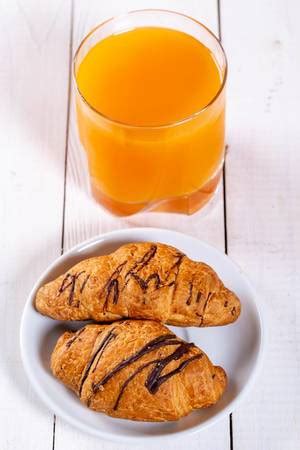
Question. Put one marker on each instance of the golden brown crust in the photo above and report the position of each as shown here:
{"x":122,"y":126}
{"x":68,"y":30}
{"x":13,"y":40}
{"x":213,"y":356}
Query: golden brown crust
{"x":138,"y":370}
{"x":142,"y":280}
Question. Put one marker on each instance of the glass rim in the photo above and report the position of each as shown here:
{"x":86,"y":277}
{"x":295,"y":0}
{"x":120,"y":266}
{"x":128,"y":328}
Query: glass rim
{"x":163,"y":125}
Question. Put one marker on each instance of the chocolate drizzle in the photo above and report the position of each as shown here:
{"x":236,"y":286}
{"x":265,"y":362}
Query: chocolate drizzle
{"x":190,"y":296}
{"x":112,"y":285}
{"x":179,"y":257}
{"x":201,"y":319}
{"x":144,"y":261}
{"x":84,"y":283}
{"x":160,"y":341}
{"x":74,"y":338}
{"x":154,"y":379}
{"x":144,"y":284}
{"x":132,"y":376}
{"x":97,"y":354}
{"x":163,"y":378}
{"x":111,"y":336}
{"x":175,"y":266}
{"x":206,"y":302}
{"x":70,"y":282}
{"x":198,"y":298}
{"x":138,"y":266}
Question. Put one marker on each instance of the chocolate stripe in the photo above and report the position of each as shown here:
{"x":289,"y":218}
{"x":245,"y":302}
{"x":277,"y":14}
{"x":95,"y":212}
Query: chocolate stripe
{"x":112,"y":284}
{"x":153,"y":380}
{"x":132,"y":376}
{"x":189,"y":299}
{"x":162,"y":379}
{"x":73,"y":339}
{"x":84,"y":283}
{"x":70,"y":285}
{"x":144,"y":284}
{"x":198,"y":297}
{"x":176,"y":265}
{"x":141,"y":263}
{"x":159,"y":380}
{"x":99,"y":352}
{"x":63,"y":286}
{"x":160,"y":341}
{"x":206,"y":302}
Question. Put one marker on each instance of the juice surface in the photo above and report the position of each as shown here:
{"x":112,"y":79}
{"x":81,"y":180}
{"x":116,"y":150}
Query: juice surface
{"x":148,"y":76}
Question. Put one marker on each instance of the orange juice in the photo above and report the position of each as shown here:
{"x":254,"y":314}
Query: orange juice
{"x":142,"y":106}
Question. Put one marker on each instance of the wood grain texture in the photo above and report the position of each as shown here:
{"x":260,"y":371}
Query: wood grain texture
{"x":84,"y":218}
{"x":34,"y":39}
{"x":263,"y":208}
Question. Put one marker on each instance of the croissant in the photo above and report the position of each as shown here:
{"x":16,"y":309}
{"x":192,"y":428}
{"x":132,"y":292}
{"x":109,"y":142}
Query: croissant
{"x":142,"y":280}
{"x":136,"y":369}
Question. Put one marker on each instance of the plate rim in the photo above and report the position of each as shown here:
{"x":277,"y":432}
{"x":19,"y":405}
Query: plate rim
{"x":57,"y":410}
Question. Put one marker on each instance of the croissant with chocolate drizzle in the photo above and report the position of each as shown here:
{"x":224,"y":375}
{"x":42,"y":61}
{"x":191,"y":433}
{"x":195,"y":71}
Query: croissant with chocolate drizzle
{"x":136,"y":369}
{"x":140,"y":280}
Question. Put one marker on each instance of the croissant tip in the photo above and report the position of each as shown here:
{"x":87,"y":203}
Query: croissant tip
{"x":235,"y":310}
{"x":220,"y":381}
{"x":232,"y":305}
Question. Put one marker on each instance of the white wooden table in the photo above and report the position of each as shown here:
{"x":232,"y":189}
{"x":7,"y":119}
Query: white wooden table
{"x":45,"y":207}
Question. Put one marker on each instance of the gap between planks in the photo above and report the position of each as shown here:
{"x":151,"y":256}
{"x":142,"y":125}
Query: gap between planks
{"x":219,"y":13}
{"x":66,"y":158}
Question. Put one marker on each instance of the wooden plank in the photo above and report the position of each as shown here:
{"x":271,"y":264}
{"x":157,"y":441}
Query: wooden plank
{"x":263,"y":215}
{"x":84,"y":218}
{"x":34,"y":39}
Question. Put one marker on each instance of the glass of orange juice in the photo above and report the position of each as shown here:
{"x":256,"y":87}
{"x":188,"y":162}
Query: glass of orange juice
{"x":150,"y":101}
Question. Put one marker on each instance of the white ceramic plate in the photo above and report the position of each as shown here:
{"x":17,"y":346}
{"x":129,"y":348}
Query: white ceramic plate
{"x":236,"y":347}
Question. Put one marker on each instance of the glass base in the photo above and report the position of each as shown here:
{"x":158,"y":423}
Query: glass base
{"x":186,"y":204}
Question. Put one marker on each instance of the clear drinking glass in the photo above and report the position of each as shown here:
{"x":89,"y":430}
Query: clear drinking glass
{"x":167,"y":167}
